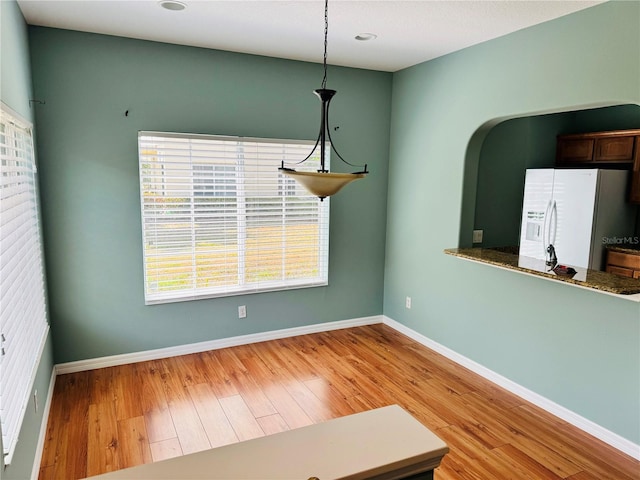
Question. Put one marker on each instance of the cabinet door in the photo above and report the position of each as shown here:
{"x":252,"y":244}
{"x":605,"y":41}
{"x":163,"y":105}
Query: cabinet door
{"x":614,"y":149}
{"x":575,"y":150}
{"x":621,"y":272}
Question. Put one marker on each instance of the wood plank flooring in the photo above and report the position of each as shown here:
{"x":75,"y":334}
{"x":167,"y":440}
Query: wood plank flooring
{"x":117,"y":417}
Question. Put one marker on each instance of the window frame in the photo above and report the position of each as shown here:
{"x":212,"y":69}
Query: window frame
{"x":221,"y":189}
{"x":24,"y":312}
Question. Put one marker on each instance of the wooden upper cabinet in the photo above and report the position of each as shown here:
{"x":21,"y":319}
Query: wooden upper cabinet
{"x":618,"y":146}
{"x":613,"y":149}
{"x":579,"y":150}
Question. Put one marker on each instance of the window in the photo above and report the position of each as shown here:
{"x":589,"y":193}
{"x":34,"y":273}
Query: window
{"x":219,"y":219}
{"x":23,"y":318}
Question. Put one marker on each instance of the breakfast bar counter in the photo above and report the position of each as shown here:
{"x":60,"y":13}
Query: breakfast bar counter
{"x":509,"y":259}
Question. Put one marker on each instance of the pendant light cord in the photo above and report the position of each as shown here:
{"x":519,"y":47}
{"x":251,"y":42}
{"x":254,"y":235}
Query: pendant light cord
{"x":325,"y":125}
{"x":326,"y":34}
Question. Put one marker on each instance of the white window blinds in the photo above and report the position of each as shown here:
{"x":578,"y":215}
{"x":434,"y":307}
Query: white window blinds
{"x":23,"y":323}
{"x":219,"y":219}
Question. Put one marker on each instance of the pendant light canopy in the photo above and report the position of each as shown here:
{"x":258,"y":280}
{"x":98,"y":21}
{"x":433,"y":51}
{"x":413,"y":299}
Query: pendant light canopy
{"x":324,"y":183}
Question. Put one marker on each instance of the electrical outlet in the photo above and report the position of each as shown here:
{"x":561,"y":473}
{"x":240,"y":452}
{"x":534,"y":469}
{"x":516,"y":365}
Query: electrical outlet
{"x":242,"y":311}
{"x":477,"y":236}
{"x":35,"y":400}
{"x":407,"y":302}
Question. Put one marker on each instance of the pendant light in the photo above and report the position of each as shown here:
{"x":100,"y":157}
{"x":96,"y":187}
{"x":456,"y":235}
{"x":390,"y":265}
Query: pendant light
{"x":324,"y":183}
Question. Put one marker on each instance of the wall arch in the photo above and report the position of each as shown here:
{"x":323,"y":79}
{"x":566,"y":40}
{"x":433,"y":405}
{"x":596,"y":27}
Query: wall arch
{"x":535,"y":135}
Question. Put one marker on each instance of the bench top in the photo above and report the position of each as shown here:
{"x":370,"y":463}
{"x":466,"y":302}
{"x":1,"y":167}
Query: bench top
{"x":384,"y":443}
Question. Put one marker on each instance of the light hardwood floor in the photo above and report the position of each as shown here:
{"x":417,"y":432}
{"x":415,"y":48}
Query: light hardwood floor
{"x":117,"y":417}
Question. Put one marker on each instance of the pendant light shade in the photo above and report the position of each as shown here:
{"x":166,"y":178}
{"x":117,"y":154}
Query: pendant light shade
{"x":324,"y":183}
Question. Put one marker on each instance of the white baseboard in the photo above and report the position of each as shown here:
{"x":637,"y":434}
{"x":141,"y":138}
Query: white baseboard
{"x":607,"y":436}
{"x":156,"y":354}
{"x":43,"y":427}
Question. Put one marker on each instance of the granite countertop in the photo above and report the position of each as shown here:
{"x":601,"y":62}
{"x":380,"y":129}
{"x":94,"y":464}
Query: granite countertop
{"x":504,"y":257}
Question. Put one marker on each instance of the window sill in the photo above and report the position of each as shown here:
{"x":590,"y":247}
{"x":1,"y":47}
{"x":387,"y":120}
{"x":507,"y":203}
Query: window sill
{"x":187,"y":297}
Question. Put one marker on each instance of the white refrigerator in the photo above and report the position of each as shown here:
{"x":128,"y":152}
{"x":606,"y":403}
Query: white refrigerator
{"x":577,"y":211}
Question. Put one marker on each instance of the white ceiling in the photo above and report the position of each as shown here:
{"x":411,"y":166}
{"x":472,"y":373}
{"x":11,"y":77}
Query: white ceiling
{"x":409,"y":32}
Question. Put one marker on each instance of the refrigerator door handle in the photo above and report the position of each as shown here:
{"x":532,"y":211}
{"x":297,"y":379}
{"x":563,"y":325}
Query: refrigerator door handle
{"x":554,"y":217}
{"x":545,"y":243}
{"x":552,"y":259}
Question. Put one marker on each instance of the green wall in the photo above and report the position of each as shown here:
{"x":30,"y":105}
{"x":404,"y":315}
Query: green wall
{"x":512,"y":146}
{"x":90,"y":190}
{"x":15,"y":92}
{"x":15,"y":74}
{"x":576,"y":347}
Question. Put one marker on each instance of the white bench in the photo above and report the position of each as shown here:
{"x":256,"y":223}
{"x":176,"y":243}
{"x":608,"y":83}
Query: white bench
{"x":386,"y":443}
